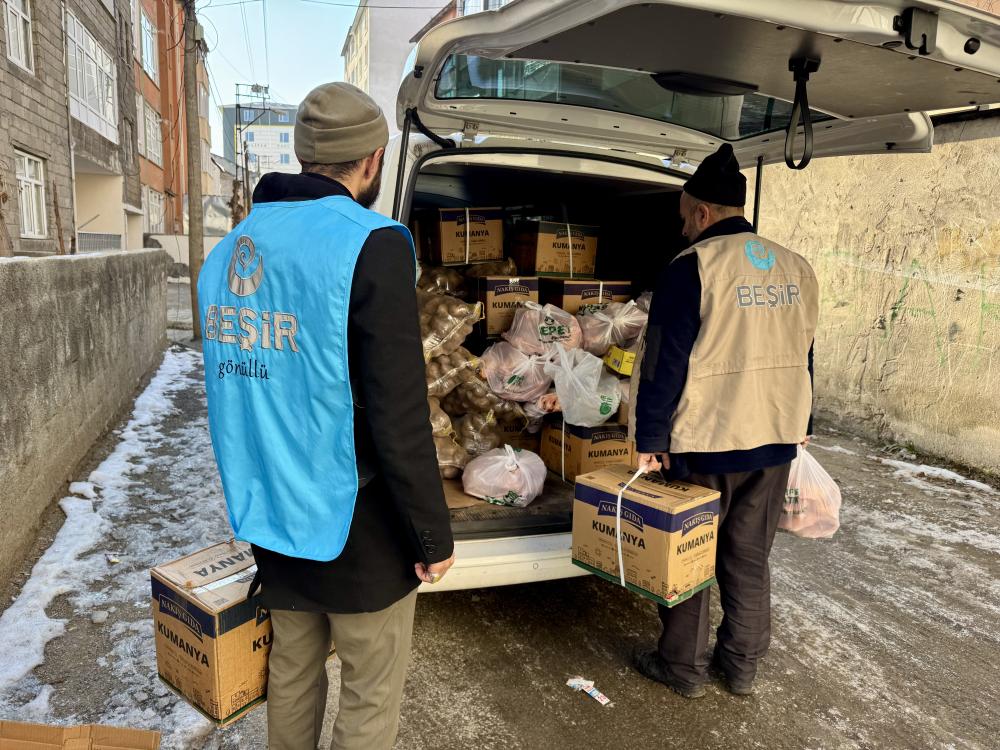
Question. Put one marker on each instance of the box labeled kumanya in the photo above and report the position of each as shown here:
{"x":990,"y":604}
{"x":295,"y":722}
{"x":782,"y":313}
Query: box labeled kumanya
{"x":620,"y":360}
{"x":461,"y":236}
{"x":668,"y":533}
{"x":212,"y":643}
{"x":18,"y":735}
{"x":501,"y":296}
{"x":588,"y":295}
{"x":553,"y":248}
{"x":584,"y":449}
{"x":514,"y":435}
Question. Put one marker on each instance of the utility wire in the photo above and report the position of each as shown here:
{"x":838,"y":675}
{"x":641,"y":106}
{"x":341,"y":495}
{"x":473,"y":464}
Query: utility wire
{"x":246,"y":41}
{"x":267,"y":54}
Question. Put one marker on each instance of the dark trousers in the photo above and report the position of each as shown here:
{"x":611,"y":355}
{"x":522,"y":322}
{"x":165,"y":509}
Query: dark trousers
{"x":750,"y":505}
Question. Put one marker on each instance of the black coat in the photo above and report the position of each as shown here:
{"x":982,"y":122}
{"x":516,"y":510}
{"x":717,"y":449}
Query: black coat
{"x":400,"y":517}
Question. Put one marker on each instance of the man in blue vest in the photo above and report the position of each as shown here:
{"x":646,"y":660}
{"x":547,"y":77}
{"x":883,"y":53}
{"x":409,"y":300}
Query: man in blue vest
{"x":318,"y":412}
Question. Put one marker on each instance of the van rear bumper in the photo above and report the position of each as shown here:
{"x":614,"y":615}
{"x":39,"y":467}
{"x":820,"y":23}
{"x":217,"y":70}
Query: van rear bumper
{"x":481,"y":563}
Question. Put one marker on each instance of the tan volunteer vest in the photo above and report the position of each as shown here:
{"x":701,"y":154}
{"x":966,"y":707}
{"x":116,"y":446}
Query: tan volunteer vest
{"x":748,"y":378}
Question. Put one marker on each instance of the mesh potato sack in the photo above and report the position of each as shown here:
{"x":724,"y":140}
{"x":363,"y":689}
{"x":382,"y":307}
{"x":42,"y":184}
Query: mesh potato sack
{"x":513,"y":375}
{"x":536,"y":328}
{"x":445,"y":322}
{"x":505,"y":476}
{"x":440,"y":422}
{"x":505,"y":267}
{"x":451,"y":457}
{"x":618,"y":324}
{"x":444,"y":373}
{"x":587,"y":392}
{"x":477,"y":433}
{"x":473,"y":395}
{"x":442,"y":281}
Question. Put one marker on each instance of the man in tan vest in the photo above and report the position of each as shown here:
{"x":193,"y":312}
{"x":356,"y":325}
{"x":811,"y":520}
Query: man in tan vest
{"x":725,"y":398}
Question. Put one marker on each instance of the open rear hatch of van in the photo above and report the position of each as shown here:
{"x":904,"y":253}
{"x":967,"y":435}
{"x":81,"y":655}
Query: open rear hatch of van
{"x":659,"y":76}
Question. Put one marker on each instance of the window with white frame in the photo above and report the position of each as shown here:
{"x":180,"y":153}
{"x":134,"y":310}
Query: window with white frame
{"x":18,"y":22}
{"x":140,"y":118}
{"x":154,"y":135}
{"x":282,"y":117}
{"x":153,"y":206}
{"x":283,"y":137}
{"x":285,"y":159}
{"x":249,"y":136}
{"x":30,"y":172}
{"x":92,"y":81}
{"x":149,"y":60}
{"x":202,"y":100}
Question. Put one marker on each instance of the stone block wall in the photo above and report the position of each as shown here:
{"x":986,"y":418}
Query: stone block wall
{"x":79,"y":334}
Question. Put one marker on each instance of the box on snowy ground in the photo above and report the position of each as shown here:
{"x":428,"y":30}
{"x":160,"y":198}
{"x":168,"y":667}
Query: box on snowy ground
{"x":212,"y":642}
{"x":18,"y":735}
{"x":669,"y":532}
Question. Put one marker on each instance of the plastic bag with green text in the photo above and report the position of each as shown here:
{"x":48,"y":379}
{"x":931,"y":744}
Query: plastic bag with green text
{"x":588,"y":393}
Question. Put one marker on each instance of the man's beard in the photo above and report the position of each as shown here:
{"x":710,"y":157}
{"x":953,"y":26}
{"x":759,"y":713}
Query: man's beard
{"x":369,"y":193}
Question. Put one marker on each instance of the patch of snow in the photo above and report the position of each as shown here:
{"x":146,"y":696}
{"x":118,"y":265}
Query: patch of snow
{"x":906,"y":470}
{"x":25,"y":625}
{"x":83,"y":489}
{"x":832,"y":448}
{"x":38,"y":709}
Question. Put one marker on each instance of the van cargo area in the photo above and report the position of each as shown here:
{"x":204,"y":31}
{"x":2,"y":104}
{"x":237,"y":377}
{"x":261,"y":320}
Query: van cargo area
{"x":634,"y":210}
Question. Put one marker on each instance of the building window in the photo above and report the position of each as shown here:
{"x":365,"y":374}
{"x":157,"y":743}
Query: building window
{"x":92,"y":81}
{"x":202,"y":100}
{"x":31,"y":187}
{"x":140,"y":117}
{"x":248,"y":115}
{"x":285,"y":159}
{"x":282,"y":117}
{"x":249,"y":136}
{"x":149,"y":59}
{"x":154,"y":135}
{"x":18,"y":23}
{"x":152,"y":211}
{"x":283,"y":137}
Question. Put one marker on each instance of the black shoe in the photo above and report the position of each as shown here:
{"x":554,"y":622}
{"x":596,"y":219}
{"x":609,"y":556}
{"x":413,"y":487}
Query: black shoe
{"x":651,"y":665}
{"x":733,"y":685}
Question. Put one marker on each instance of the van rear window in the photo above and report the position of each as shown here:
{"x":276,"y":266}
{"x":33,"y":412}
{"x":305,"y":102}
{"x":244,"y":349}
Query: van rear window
{"x":613,"y":90}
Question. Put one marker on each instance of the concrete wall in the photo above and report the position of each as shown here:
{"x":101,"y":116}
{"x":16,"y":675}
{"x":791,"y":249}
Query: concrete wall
{"x":907,"y":248}
{"x":79,"y":333}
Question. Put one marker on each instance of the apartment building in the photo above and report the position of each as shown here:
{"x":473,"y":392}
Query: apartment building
{"x":268,"y":135}
{"x":67,"y":130}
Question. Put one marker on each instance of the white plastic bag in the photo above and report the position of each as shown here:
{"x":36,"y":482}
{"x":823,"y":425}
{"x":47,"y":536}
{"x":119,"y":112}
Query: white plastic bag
{"x":588,"y":393}
{"x":644,"y":301}
{"x":536,"y":328}
{"x":812,"y":500}
{"x":618,"y":324}
{"x":505,"y":476}
{"x":514,"y":375}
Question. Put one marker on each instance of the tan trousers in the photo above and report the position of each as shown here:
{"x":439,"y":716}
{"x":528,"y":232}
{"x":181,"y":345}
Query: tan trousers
{"x":374,"y":650}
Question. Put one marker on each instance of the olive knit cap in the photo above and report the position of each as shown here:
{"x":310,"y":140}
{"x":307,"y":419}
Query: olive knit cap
{"x":338,"y":122}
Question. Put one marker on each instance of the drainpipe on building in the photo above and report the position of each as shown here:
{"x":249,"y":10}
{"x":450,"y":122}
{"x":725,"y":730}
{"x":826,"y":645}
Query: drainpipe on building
{"x":69,"y":133}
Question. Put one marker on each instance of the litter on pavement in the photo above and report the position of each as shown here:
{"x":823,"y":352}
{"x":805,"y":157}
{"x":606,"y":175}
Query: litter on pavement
{"x":587,"y":686}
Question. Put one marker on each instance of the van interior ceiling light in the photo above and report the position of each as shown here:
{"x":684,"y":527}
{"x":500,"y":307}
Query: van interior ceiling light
{"x":801,"y":68}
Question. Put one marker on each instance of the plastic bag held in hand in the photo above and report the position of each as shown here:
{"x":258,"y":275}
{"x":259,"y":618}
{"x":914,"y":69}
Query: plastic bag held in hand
{"x":812,"y":500}
{"x":617,"y":324}
{"x":505,"y":476}
{"x":514,"y":375}
{"x":536,"y":328}
{"x":587,"y":392}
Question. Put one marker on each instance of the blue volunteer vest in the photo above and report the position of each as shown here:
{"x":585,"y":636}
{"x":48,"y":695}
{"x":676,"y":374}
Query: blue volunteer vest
{"x":274,"y":296}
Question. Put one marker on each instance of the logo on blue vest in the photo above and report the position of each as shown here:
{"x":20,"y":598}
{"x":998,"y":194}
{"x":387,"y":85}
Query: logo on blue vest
{"x":246,"y":268}
{"x":761,"y":257}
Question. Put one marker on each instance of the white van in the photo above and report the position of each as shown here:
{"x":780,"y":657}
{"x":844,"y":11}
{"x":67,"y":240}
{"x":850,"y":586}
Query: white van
{"x":596,"y":111}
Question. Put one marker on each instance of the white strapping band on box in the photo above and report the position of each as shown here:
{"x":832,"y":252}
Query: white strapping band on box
{"x":618,"y":524}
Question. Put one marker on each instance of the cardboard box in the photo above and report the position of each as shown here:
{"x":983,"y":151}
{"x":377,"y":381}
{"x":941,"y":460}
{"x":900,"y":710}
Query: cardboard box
{"x":586,"y":448}
{"x":573,"y":295}
{"x":211,"y":642}
{"x":514,"y":435}
{"x":621,"y":360}
{"x":501,"y":296}
{"x":17,"y":735}
{"x":553,"y":248}
{"x":668,"y":533}
{"x":449,"y":244}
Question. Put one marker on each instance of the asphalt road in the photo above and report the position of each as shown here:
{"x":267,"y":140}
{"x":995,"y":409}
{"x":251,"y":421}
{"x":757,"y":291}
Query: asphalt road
{"x":883,"y":637}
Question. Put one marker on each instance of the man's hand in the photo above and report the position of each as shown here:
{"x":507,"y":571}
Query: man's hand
{"x":435,"y":571}
{"x":650,"y":462}
{"x":805,"y":443}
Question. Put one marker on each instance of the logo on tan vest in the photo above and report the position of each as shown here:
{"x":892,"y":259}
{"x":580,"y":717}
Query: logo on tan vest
{"x":246,"y":268}
{"x":761,"y":257}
